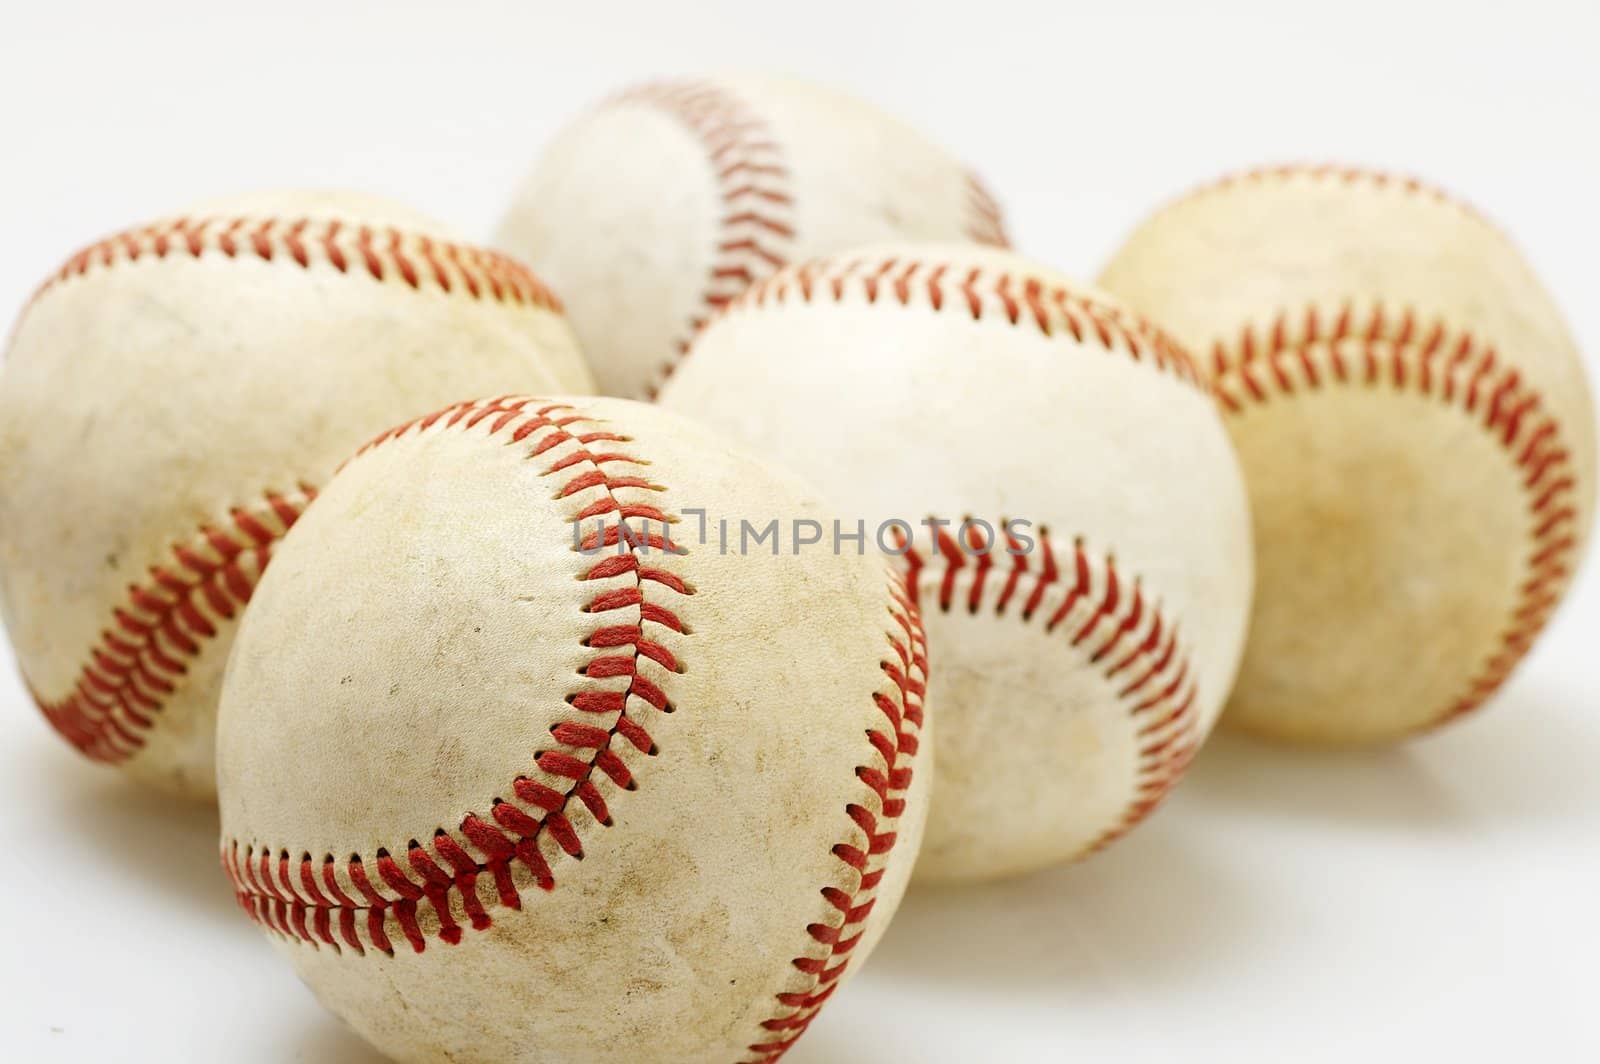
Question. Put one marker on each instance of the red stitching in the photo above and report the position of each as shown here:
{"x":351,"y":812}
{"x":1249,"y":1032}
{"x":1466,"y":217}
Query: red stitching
{"x":755,"y":234}
{"x":1349,"y":175}
{"x":163,"y":624}
{"x":516,"y":827}
{"x":897,"y":747}
{"x":1396,"y":351}
{"x":384,"y":253}
{"x":980,"y":292}
{"x":1103,"y":613}
{"x":986,"y":222}
{"x":299,"y":897}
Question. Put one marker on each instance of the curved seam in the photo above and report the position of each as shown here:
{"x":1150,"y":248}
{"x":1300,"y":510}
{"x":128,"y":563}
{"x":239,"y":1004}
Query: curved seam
{"x":755,"y":228}
{"x":1019,"y":299}
{"x":1351,"y":176}
{"x":1311,"y":352}
{"x":1124,"y":636}
{"x":165,"y":623}
{"x":985,"y":220}
{"x":383,"y":253}
{"x":906,"y":670}
{"x":137,"y":663}
{"x":265,"y":882}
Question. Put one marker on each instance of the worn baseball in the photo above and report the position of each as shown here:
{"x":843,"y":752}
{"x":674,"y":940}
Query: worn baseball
{"x":515,"y":766}
{"x":656,"y":208}
{"x":171,"y":399}
{"x":1085,"y":625}
{"x":1416,"y":431}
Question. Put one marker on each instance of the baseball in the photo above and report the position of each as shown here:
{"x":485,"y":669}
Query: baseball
{"x":655,"y":209}
{"x":515,"y":767}
{"x":171,"y":399}
{"x":1415,"y":428}
{"x":1080,"y":660}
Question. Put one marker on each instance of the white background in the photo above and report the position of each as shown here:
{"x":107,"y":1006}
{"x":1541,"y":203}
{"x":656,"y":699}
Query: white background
{"x":1433,"y":902}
